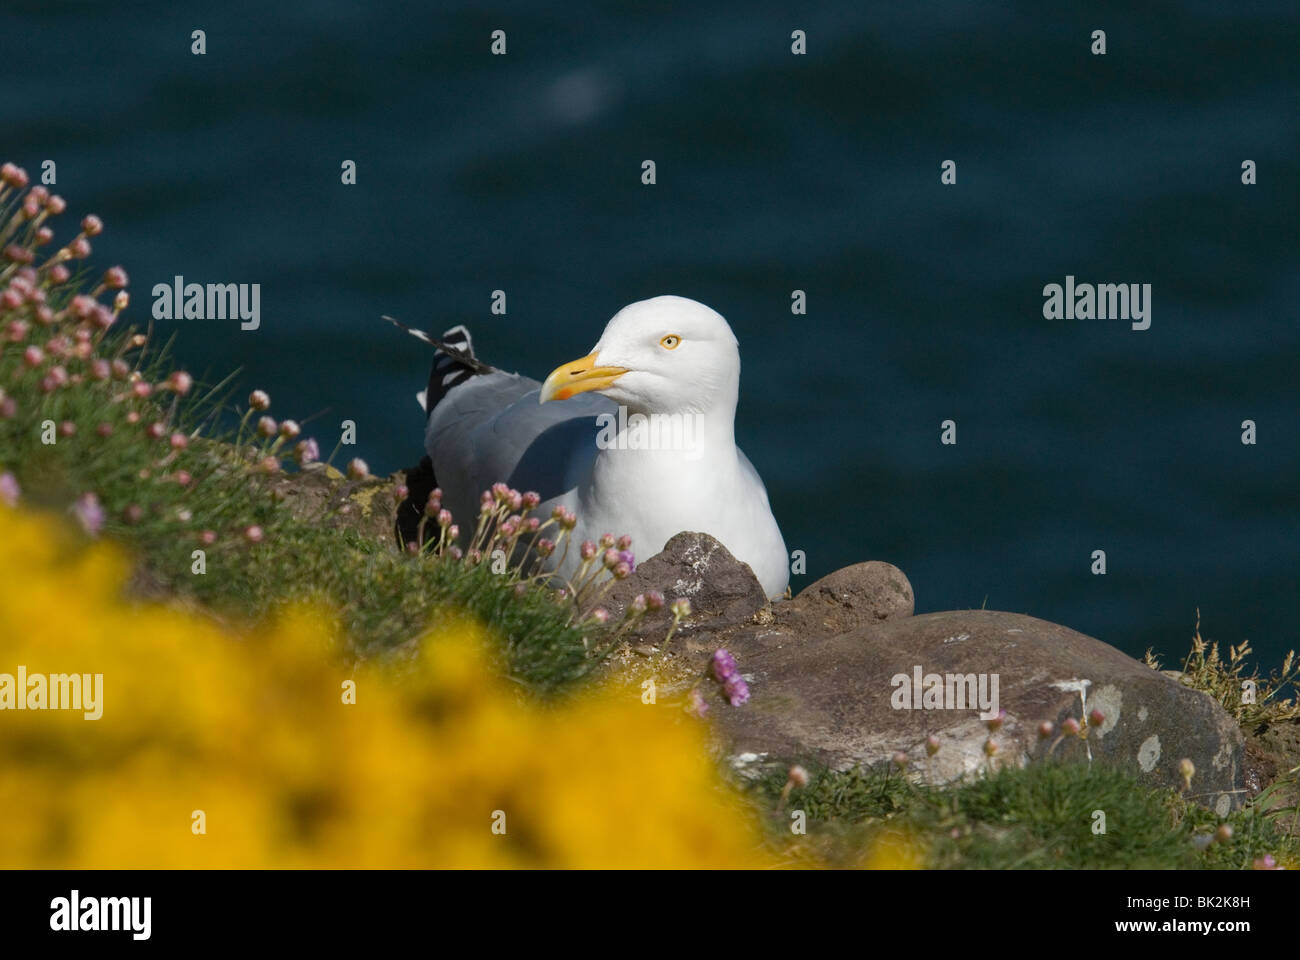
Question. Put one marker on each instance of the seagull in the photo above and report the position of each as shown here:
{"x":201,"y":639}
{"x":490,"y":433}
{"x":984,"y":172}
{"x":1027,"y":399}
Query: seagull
{"x":636,"y":438}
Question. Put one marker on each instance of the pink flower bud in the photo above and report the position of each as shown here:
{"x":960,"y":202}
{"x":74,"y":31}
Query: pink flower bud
{"x":259,"y":400}
{"x":13,"y":176}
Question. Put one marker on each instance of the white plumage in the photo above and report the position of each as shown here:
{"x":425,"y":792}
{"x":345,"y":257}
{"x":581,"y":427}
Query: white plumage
{"x":673,"y":366}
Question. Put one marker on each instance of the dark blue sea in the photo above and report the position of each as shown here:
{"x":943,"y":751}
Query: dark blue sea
{"x":775,"y":173}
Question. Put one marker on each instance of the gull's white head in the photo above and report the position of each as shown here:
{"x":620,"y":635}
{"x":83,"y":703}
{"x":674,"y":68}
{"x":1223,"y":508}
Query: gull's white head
{"x":663,"y":355}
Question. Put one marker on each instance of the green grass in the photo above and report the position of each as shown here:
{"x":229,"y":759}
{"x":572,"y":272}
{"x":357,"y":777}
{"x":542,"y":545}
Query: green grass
{"x":1038,"y":817}
{"x":384,"y":597}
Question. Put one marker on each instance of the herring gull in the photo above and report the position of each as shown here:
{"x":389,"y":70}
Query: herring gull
{"x":637,"y":437}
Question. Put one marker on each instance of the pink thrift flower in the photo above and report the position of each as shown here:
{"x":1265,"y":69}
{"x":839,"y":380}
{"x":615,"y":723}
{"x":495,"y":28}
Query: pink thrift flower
{"x":723,"y":665}
{"x":306,"y":452}
{"x":736,"y":690}
{"x":9,"y":489}
{"x":89,"y":513}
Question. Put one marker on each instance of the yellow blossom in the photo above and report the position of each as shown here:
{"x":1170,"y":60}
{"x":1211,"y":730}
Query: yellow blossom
{"x":238,"y":750}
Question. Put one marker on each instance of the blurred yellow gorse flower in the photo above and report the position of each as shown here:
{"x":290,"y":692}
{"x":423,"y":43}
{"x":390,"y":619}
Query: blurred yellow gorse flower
{"x":240,"y":750}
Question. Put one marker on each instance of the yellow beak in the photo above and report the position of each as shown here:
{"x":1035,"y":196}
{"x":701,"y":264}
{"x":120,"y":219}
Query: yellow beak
{"x":578,"y":377}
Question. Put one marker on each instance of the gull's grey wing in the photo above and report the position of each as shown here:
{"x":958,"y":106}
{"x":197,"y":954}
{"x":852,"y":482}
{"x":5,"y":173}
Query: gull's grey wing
{"x":491,"y":428}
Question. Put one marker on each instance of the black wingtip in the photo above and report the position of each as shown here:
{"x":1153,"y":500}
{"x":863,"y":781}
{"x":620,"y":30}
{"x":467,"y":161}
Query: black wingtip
{"x":464,"y":357}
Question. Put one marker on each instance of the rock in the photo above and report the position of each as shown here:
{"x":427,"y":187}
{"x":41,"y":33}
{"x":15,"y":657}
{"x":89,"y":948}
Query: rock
{"x":320,"y":494}
{"x":828,"y":699}
{"x":721,"y":589}
{"x":859,"y":594}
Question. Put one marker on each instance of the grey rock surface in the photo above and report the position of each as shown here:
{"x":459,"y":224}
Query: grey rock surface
{"x":834,"y":698}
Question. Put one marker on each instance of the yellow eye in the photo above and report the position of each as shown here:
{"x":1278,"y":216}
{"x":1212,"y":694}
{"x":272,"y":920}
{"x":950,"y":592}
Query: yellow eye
{"x":670,"y":342}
